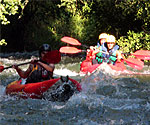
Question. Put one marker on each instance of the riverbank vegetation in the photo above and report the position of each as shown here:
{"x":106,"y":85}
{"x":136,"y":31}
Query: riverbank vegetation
{"x":26,"y":24}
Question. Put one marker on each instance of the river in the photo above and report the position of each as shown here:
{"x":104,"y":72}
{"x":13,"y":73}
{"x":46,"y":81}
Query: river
{"x":105,"y":99}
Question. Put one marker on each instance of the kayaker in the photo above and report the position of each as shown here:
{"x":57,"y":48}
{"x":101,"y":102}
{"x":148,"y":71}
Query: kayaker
{"x":102,"y":39}
{"x":38,"y":70}
{"x":95,"y":49}
{"x":110,"y":52}
{"x":100,"y":44}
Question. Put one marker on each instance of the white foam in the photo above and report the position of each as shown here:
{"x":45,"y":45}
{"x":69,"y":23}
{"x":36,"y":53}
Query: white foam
{"x":2,"y":92}
{"x":65,"y":72}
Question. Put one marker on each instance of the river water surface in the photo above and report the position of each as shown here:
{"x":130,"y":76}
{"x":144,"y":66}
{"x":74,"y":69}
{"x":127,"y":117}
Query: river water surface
{"x":105,"y":99}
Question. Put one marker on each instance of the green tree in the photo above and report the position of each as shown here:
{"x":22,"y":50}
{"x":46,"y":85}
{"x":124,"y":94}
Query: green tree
{"x":139,"y":8}
{"x":8,"y":8}
{"x":49,"y":20}
{"x":77,"y":12}
{"x":134,"y":41}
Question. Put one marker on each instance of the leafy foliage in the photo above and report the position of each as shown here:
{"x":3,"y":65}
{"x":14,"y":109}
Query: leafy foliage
{"x":134,"y":41}
{"x":48,"y":20}
{"x":78,"y":17}
{"x":2,"y":42}
{"x":8,"y":8}
{"x":139,"y":8}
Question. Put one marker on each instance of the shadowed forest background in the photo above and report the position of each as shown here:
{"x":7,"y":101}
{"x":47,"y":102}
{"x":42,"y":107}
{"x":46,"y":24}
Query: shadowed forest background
{"x":47,"y":21}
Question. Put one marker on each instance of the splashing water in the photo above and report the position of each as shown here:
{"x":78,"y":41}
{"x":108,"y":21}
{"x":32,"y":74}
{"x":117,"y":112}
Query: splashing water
{"x":2,"y":92}
{"x":65,"y":72}
{"x":105,"y":99}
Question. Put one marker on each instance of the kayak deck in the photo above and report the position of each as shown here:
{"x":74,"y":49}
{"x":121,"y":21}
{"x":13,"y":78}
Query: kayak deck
{"x":53,"y":90}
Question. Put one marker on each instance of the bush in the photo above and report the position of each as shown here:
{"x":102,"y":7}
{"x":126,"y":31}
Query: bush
{"x":134,"y":41}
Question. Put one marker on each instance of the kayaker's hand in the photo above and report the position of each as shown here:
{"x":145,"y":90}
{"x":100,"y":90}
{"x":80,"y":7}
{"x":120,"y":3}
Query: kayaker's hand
{"x":120,"y":60}
{"x":34,"y":61}
{"x":14,"y":66}
{"x":87,"y":51}
{"x":92,"y":47}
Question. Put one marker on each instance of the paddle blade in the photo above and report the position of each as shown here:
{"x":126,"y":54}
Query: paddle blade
{"x":142,"y":54}
{"x":134,"y":63}
{"x":89,"y":69}
{"x":93,"y":68}
{"x":52,"y":57}
{"x":1,"y":68}
{"x":70,"y":40}
{"x":119,"y":66}
{"x":69,"y":50}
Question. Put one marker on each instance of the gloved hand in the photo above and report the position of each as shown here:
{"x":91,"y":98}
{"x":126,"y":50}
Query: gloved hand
{"x":34,"y":61}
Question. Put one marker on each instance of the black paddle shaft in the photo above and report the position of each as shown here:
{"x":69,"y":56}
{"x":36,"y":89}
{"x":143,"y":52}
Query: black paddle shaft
{"x":17,"y":65}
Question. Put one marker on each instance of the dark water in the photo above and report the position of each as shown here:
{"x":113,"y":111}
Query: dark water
{"x":105,"y":100}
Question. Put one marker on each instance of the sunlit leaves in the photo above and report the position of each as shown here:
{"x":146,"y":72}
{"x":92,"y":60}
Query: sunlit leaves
{"x":140,"y":8}
{"x":2,"y":42}
{"x":10,"y":7}
{"x":78,"y":11}
{"x":134,"y":41}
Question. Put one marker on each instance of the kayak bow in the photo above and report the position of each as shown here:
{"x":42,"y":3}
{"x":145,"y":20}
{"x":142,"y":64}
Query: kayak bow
{"x":59,"y":89}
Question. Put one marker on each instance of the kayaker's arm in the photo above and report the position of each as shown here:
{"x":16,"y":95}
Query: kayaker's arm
{"x":22,"y":74}
{"x":49,"y":67}
{"x":97,"y":50}
{"x":93,"y":50}
{"x":119,"y":55}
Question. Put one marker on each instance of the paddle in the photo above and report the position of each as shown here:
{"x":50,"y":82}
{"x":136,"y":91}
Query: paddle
{"x":72,"y":41}
{"x":2,"y":67}
{"x":132,"y":62}
{"x":91,"y":68}
{"x":119,"y":66}
{"x":50,"y":57}
{"x":140,"y":54}
{"x":70,"y":50}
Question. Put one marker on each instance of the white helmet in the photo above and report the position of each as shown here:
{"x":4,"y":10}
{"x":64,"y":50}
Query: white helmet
{"x":103,"y":35}
{"x":111,"y":38}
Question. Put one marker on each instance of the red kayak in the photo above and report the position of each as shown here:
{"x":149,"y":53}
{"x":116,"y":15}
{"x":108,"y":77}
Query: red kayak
{"x":60,"y":89}
{"x":87,"y":66}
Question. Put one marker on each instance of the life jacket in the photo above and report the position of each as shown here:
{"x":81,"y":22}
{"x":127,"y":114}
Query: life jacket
{"x":107,"y":56}
{"x":38,"y":74}
{"x":100,"y":56}
{"x":98,"y":44}
{"x":112,"y":58}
